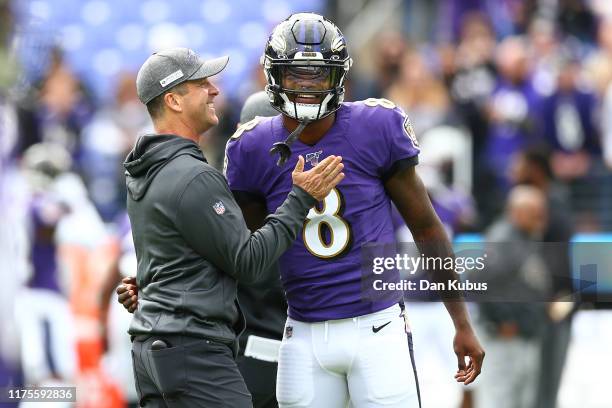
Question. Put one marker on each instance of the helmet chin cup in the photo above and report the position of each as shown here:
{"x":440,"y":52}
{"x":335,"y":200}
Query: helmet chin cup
{"x":283,"y":150}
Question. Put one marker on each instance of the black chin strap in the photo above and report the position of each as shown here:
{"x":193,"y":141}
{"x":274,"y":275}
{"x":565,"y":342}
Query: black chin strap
{"x":284,"y":148}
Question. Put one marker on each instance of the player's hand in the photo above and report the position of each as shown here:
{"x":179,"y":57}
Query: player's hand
{"x":319,"y":180}
{"x":466,"y":344}
{"x":127,"y":293}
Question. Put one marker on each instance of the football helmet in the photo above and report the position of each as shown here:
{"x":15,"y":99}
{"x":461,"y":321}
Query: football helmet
{"x":305,"y":62}
{"x":44,"y":162}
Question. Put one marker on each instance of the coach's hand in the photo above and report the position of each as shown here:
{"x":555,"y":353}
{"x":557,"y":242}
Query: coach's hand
{"x":466,"y":344}
{"x":319,"y":180}
{"x":128,"y":293}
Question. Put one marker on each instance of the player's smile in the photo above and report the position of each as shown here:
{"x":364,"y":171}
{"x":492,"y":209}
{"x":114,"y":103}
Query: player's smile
{"x":307,"y":79}
{"x":306,"y":98}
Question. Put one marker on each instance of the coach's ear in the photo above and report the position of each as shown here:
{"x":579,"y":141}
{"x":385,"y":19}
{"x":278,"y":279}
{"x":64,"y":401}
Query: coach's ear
{"x":173,"y":101}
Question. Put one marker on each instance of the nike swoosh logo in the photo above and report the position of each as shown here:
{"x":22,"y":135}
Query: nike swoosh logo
{"x":379,"y":328}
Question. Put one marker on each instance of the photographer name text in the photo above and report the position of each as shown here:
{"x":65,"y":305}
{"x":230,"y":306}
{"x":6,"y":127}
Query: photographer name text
{"x":424,"y":284}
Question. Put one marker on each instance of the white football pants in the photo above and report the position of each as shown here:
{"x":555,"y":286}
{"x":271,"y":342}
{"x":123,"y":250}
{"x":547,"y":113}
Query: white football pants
{"x":340,"y":362}
{"x":33,"y":309}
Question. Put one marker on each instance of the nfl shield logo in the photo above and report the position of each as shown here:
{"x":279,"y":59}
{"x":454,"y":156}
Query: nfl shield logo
{"x":219,"y":207}
{"x":288,"y":331}
{"x":313,"y":158}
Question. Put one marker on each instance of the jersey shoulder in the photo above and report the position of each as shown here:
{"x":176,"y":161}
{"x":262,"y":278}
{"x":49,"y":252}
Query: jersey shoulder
{"x":248,"y":148}
{"x":374,"y":110}
{"x":380,"y":117}
{"x":254,"y":134}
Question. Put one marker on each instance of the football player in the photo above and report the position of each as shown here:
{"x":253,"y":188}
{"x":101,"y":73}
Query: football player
{"x":338,"y":346}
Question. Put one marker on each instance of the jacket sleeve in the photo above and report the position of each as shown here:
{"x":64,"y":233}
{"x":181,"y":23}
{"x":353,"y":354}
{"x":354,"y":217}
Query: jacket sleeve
{"x":211,"y":222}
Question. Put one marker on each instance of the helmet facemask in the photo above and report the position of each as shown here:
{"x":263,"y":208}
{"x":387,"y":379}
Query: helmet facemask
{"x":306,"y":90}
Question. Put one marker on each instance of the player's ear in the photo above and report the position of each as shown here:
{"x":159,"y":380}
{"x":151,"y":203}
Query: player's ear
{"x":173,"y":101}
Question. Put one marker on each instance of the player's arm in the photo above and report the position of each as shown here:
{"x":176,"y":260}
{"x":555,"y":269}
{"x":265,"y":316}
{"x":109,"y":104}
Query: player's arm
{"x":410,"y":196}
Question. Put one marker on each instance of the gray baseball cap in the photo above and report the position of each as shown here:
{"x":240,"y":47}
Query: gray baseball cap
{"x":168,"y":68}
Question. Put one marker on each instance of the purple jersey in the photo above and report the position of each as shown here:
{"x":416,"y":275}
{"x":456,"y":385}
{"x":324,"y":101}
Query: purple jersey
{"x":321,"y":273}
{"x":43,"y":252}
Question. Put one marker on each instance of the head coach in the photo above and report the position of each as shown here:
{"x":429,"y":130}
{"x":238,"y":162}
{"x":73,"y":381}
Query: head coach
{"x":192,"y":243}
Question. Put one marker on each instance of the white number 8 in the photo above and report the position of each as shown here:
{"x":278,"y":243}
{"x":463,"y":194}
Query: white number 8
{"x":339,"y":228}
{"x":385,"y":103}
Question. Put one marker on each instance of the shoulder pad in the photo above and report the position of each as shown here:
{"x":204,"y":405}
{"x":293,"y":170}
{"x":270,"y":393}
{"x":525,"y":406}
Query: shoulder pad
{"x":245,"y":127}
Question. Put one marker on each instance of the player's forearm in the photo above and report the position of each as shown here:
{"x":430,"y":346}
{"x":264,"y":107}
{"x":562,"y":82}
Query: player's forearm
{"x":433,"y":242}
{"x":410,"y":196}
{"x":458,"y":313}
{"x":439,"y":249}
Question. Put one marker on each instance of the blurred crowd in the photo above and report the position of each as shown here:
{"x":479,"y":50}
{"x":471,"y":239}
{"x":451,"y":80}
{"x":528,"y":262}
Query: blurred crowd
{"x":501,"y":94}
{"x":536,"y":82}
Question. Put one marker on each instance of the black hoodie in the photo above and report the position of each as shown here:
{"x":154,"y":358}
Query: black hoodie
{"x":192,"y":243}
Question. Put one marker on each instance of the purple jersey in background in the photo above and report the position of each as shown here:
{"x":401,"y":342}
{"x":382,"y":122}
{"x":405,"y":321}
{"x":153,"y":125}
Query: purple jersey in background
{"x":45,"y":213}
{"x":321,"y":273}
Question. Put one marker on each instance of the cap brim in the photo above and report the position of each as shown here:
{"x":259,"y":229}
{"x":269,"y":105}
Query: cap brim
{"x":210,"y":68}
